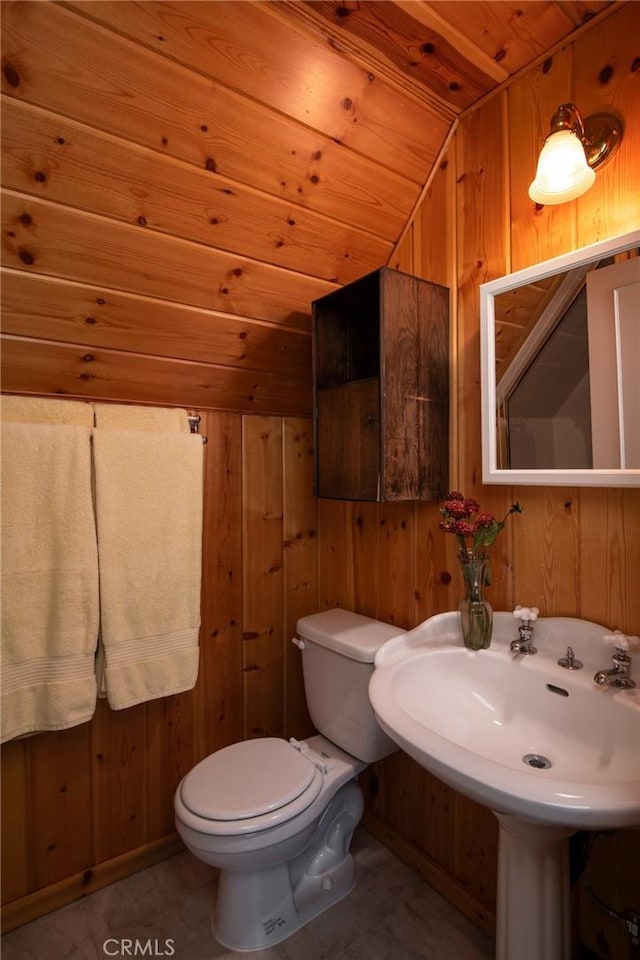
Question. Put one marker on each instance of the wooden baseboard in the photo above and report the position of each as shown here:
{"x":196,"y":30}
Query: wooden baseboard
{"x":42,"y":901}
{"x":479,"y":914}
{"x":79,"y":885}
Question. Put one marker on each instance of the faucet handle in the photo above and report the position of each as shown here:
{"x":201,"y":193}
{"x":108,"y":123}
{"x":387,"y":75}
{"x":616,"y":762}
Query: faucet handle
{"x":526,"y":613}
{"x":620,"y":641}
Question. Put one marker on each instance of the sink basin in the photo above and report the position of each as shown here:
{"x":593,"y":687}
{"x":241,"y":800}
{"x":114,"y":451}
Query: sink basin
{"x":519,"y":734}
{"x":545,"y":748}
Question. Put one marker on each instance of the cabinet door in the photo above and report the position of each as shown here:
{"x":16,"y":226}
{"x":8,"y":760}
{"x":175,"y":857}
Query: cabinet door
{"x":348,"y":441}
{"x":414,"y":336}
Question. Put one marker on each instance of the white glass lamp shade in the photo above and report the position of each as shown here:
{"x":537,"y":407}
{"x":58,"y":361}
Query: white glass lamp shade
{"x":563,"y":172}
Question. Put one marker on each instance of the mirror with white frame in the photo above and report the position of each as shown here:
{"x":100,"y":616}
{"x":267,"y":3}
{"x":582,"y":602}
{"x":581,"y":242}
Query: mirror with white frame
{"x":560,"y":369}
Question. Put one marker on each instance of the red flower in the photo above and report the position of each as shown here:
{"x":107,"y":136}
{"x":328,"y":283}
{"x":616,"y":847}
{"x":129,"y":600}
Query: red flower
{"x":475,"y":528}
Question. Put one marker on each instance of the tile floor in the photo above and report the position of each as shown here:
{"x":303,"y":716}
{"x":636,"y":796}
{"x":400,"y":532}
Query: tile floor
{"x":391,"y":914}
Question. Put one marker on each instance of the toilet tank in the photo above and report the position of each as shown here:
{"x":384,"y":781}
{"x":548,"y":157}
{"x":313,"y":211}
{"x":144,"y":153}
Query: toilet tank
{"x":338,"y":649}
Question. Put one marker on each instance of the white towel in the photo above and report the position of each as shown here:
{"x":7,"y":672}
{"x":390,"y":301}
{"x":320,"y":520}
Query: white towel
{"x":50,"y":570}
{"x":149,"y":520}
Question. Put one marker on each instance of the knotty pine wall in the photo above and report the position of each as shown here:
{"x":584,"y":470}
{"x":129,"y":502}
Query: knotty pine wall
{"x":573,"y":551}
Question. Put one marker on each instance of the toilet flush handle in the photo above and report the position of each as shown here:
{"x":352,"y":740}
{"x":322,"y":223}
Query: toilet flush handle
{"x":300,"y":644}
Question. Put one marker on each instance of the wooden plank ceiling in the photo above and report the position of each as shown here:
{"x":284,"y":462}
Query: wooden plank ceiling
{"x":181,"y":179}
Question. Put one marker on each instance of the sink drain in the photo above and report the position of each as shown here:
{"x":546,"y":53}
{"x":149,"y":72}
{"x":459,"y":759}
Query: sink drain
{"x":536,"y":760}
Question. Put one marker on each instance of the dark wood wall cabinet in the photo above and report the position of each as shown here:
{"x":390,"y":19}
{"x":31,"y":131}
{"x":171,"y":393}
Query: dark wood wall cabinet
{"x":381,"y":389}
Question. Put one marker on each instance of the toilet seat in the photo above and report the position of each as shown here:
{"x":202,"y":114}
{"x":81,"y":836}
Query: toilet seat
{"x":251,"y":785}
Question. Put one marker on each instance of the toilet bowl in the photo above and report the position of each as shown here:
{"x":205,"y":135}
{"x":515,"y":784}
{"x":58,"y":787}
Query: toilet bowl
{"x":276,"y":816}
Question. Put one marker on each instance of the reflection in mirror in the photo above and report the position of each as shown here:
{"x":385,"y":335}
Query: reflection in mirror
{"x":561,"y":369}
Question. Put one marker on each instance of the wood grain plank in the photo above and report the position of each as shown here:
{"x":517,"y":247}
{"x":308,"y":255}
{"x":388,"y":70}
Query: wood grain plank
{"x":44,"y":367}
{"x":467,"y":43}
{"x":420,"y":52}
{"x":397,"y":557}
{"x":539,"y":26}
{"x":609,"y":558}
{"x":57,"y":159}
{"x":300,"y":563}
{"x":335,"y":556}
{"x":59,"y":804}
{"x":13,"y":782}
{"x":240,"y":46}
{"x":545,"y":551}
{"x":48,"y":308}
{"x":482,"y":254}
{"x":118,"y":774}
{"x":42,"y":237}
{"x":603,"y":60}
{"x":64,"y":63}
{"x":476,"y":850}
{"x":364,"y":523}
{"x":263,"y":608}
{"x":170,"y":749}
{"x":437,"y":586}
{"x":219,"y":693}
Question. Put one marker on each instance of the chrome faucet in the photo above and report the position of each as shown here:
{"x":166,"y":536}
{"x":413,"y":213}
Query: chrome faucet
{"x":527,"y":617}
{"x":620,"y":673}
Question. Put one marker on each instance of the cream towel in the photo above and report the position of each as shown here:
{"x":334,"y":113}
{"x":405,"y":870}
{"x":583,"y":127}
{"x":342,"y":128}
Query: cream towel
{"x":16,"y":409}
{"x":116,"y":416}
{"x":50,"y":573}
{"x":149,"y":519}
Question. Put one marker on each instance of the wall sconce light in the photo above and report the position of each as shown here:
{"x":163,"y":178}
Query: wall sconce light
{"x":571,"y":153}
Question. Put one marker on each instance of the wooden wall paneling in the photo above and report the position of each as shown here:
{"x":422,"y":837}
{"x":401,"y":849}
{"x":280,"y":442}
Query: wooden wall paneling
{"x":170,"y":753}
{"x":44,"y":367}
{"x":396,"y":557}
{"x":403,"y":255}
{"x":545,"y":553}
{"x":42,"y":40}
{"x":438,"y":583}
{"x":59,"y":823}
{"x":118,"y":774}
{"x":300,"y":562}
{"x":609,"y":559}
{"x":435,"y":259}
{"x":364,"y":522}
{"x":219,"y":692}
{"x":481,"y":255}
{"x":48,"y":308}
{"x":204,"y":37}
{"x":44,"y":237}
{"x":475,"y":850}
{"x":67,"y":162}
{"x":262,"y":616}
{"x":13,"y":808}
{"x":605,"y":77}
{"x":335,"y":555}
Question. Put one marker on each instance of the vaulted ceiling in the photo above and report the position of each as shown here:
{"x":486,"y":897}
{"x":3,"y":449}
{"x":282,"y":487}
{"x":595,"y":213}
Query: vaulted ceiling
{"x":182,"y":164}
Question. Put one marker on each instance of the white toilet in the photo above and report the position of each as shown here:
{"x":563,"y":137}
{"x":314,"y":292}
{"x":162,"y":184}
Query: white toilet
{"x":277,"y":817}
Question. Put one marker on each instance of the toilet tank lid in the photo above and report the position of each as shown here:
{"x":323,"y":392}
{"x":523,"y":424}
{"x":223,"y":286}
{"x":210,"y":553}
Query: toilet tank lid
{"x":347,"y":633}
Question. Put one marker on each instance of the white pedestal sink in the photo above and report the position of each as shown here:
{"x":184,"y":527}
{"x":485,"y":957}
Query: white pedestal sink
{"x":545,"y":748}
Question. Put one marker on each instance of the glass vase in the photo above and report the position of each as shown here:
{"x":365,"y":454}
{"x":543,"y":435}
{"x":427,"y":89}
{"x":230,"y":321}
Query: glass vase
{"x":476,"y":615}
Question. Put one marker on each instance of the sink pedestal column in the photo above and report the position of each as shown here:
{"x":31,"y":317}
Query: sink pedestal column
{"x":532,"y":921}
